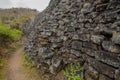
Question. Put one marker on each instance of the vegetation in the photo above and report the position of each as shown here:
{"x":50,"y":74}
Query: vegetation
{"x":15,"y":18}
{"x":11,"y":26}
{"x":71,"y":73}
{"x":8,"y":36}
{"x":6,"y":32}
{"x":32,"y":72}
{"x":3,"y":62}
{"x":27,"y":62}
{"x":12,"y":22}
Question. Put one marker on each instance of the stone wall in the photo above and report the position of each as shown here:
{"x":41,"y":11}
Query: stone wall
{"x":78,"y":31}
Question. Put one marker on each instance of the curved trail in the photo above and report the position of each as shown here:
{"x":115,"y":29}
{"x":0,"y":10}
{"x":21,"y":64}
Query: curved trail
{"x":15,"y":67}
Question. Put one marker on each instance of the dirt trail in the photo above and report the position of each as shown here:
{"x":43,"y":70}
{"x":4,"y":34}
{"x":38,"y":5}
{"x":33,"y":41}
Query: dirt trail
{"x":15,"y":67}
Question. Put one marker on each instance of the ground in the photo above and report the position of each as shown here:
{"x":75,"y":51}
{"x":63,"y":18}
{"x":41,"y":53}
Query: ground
{"x":15,"y":68}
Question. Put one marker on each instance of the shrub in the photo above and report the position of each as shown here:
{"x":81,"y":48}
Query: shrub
{"x":16,"y":34}
{"x":8,"y":36}
{"x":27,"y":62}
{"x":71,"y":73}
{"x":6,"y":32}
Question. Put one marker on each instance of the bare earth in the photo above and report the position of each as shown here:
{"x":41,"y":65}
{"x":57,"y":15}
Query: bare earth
{"x":15,"y":67}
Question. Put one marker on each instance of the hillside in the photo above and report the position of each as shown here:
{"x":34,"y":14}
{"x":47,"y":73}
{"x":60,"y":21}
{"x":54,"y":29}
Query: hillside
{"x":16,"y":17}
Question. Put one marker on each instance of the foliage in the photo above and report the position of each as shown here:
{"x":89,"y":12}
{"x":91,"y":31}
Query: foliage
{"x":4,"y":19}
{"x":71,"y":73}
{"x":18,"y":23}
{"x":30,"y":68}
{"x":27,"y":62}
{"x":3,"y":62}
{"x":16,"y":34}
{"x":11,"y":24}
{"x":15,"y":18}
{"x":6,"y":32}
{"x":4,"y":53}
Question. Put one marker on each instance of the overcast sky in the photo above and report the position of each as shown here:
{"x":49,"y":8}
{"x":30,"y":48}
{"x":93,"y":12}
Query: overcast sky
{"x":34,"y":4}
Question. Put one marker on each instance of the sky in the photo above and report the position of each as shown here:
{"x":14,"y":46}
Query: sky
{"x":34,"y":4}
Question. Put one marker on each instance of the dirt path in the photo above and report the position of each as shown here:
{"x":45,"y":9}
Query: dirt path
{"x":15,"y":66}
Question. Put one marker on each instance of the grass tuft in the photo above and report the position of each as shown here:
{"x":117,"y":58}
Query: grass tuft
{"x":31,"y":70}
{"x":3,"y":62}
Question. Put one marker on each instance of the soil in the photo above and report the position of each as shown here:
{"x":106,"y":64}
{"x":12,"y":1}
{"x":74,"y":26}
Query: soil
{"x":15,"y":68}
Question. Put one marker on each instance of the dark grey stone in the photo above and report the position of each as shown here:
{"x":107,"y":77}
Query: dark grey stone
{"x":76,"y":45}
{"x":108,"y":58}
{"x":97,"y":39}
{"x":116,"y":38}
{"x":103,"y":77}
{"x":109,"y":46}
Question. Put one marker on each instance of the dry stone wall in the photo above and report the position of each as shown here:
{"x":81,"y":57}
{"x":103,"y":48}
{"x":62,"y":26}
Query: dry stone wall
{"x":78,"y":31}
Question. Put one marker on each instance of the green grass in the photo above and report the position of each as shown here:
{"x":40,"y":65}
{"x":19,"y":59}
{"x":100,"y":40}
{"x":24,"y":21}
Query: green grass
{"x":16,"y":34}
{"x":2,"y":74}
{"x":3,"y":62}
{"x":6,"y":32}
{"x":71,"y":73}
{"x":31,"y":70}
{"x":27,"y":62}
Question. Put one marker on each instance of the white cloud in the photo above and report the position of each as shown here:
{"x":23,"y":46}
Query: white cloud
{"x":15,"y":3}
{"x":36,"y":4}
{"x":5,"y":3}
